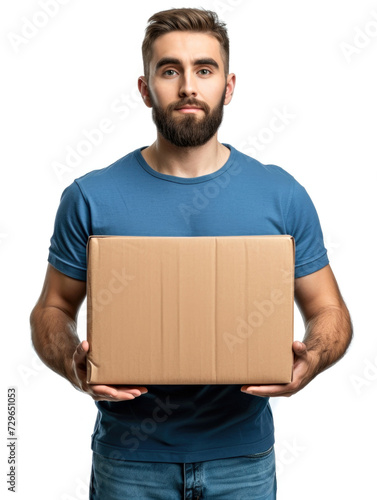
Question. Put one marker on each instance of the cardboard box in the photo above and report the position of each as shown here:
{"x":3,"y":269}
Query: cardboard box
{"x":190,"y":310}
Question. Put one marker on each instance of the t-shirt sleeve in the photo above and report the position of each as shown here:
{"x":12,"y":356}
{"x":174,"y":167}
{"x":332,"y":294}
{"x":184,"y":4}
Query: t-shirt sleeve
{"x":304,"y":225}
{"x":67,"y":252}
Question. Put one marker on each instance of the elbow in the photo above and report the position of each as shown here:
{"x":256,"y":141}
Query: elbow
{"x":33,"y":319}
{"x":344,"y":327}
{"x":348,"y":326}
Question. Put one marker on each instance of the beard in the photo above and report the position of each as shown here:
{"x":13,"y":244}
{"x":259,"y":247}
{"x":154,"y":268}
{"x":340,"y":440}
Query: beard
{"x":188,"y":130}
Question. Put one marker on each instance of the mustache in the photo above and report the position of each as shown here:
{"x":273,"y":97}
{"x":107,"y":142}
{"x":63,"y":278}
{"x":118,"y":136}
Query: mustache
{"x":189,"y":102}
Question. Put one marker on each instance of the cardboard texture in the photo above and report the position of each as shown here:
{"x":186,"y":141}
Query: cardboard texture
{"x":190,"y":310}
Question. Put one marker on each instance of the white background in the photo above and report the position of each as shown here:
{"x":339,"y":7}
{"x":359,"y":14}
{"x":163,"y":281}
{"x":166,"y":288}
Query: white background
{"x":314,"y":61}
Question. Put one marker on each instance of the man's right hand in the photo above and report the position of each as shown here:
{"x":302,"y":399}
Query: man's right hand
{"x":99,"y":392}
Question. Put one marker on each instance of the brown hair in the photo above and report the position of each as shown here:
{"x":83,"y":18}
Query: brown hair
{"x":197,"y":20}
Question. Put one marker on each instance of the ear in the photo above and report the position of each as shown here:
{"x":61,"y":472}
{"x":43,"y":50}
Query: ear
{"x":231,"y":83}
{"x":143,"y":89}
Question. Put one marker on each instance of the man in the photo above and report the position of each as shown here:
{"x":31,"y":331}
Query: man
{"x":205,"y":441}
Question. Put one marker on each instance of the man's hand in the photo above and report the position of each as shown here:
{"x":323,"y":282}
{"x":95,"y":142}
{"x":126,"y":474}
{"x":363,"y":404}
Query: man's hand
{"x":304,"y":370}
{"x":99,"y":392}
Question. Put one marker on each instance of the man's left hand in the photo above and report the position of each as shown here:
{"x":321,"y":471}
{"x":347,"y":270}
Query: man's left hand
{"x":304,"y":370}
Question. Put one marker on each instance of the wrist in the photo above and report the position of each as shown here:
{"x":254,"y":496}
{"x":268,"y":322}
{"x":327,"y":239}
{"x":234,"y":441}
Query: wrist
{"x":318,"y":360}
{"x":70,"y":372}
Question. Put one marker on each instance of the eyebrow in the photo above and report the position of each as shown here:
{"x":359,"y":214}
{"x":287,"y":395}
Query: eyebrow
{"x":199,"y":62}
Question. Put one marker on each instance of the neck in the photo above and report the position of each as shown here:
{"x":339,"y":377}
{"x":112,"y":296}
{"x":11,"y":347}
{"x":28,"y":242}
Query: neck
{"x":166,"y":158}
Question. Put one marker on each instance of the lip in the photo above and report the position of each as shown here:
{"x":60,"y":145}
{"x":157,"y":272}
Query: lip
{"x":189,"y":109}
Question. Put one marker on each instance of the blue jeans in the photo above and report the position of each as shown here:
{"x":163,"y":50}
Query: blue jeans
{"x":248,"y":477}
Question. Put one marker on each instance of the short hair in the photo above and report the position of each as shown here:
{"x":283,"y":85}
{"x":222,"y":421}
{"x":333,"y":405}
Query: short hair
{"x":185,"y":19}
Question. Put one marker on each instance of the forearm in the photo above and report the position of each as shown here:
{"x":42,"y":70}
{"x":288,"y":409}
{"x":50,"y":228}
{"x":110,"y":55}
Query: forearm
{"x":328,"y":334}
{"x":54,"y":336}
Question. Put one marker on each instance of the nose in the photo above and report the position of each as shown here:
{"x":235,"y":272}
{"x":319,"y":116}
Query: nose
{"x":187,"y":85}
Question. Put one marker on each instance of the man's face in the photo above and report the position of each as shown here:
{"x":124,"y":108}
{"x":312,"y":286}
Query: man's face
{"x":187,"y":87}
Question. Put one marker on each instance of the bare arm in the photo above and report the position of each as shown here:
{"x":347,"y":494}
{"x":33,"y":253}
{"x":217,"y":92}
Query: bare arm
{"x":53,"y":321}
{"x":53,"y":324}
{"x":328,"y":332}
{"x":328,"y":326}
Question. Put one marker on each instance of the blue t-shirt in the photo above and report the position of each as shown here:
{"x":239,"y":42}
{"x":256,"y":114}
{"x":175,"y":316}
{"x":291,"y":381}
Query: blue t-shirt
{"x":184,"y":423}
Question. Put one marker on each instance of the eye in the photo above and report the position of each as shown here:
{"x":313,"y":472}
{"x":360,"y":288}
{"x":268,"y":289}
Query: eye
{"x":169,"y":72}
{"x":208,"y":72}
